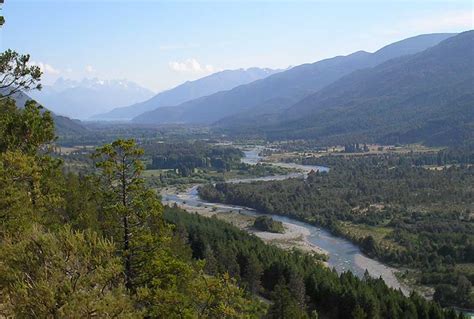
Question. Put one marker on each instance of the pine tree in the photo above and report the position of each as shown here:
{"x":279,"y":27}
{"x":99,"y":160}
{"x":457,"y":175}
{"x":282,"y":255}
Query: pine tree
{"x":285,"y":306}
{"x":133,"y":213}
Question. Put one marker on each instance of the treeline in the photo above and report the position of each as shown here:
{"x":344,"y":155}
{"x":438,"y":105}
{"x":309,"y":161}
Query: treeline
{"x":461,"y":155}
{"x":187,"y":156}
{"x":295,"y":282}
{"x":427,"y":214}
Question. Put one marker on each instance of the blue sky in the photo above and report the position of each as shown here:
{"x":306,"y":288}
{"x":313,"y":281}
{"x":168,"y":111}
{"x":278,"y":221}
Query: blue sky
{"x":160,"y":44}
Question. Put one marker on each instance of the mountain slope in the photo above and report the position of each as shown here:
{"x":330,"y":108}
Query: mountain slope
{"x":82,"y":99}
{"x":292,"y":84}
{"x":426,"y":97}
{"x":281,"y":90}
{"x":64,"y":125}
{"x":220,"y":81}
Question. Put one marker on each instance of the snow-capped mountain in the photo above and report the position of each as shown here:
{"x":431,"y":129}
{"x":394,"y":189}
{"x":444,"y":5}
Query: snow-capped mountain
{"x":85,"y":98}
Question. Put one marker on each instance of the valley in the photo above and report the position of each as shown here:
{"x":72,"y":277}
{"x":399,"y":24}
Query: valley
{"x":188,"y":199}
{"x":342,"y":255}
{"x":380,"y":236}
{"x":237,"y":160}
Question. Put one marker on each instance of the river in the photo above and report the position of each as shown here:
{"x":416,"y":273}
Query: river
{"x":343,"y":255}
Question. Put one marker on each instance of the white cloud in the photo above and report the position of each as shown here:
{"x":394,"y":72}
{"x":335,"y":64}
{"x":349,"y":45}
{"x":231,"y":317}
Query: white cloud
{"x":46,"y":68}
{"x":90,"y":69}
{"x":191,"y":66}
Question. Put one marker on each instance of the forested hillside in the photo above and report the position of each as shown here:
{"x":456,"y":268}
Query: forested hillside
{"x":297,"y":285}
{"x":85,"y":246}
{"x":427,"y":97}
{"x":93,"y":246}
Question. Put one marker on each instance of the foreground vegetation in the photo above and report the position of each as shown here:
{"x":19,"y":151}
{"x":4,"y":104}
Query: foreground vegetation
{"x":391,"y":205}
{"x":94,"y":246}
{"x":85,"y":246}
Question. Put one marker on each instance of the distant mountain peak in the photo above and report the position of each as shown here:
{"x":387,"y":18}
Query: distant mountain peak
{"x":411,"y":45}
{"x":88,"y":96}
{"x":359,"y":53}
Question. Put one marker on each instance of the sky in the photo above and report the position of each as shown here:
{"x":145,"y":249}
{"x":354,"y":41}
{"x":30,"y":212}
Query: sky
{"x":160,"y":44}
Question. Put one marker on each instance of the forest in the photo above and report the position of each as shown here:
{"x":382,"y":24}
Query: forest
{"x":295,"y":282}
{"x":394,"y":208}
{"x":187,"y":156}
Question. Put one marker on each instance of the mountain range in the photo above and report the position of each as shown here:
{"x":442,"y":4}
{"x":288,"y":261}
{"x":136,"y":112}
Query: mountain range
{"x":419,"y":89}
{"x":280,"y":91}
{"x":427,"y":97}
{"x":85,"y":98}
{"x":190,"y":90}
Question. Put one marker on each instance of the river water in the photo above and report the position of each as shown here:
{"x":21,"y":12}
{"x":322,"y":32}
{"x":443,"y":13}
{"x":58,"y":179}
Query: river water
{"x":343,"y":255}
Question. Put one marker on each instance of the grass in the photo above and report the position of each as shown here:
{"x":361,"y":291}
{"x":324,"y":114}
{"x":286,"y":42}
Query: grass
{"x":236,"y":219}
{"x":465,"y":268}
{"x":154,"y":172}
{"x":338,"y":150}
{"x":379,"y":233}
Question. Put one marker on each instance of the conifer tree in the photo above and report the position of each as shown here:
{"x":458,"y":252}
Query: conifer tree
{"x":132,"y":212}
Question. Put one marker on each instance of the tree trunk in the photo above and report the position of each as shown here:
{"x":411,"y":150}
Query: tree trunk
{"x":126,"y":230}
{"x":126,"y":251}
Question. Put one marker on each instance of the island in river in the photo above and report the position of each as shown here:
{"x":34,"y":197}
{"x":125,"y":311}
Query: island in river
{"x":268,"y":224}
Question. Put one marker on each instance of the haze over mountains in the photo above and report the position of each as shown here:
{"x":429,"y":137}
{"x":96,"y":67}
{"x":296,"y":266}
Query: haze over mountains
{"x":82,"y":99}
{"x":63,"y":124}
{"x":419,"y":89}
{"x":280,"y":91}
{"x":220,"y":81}
{"x":426,"y":97}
